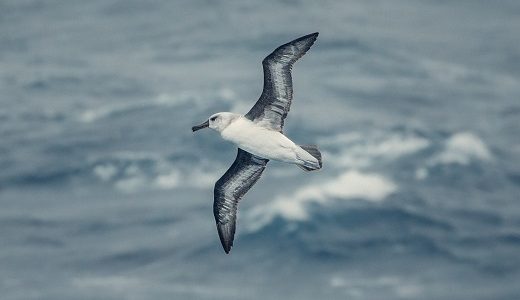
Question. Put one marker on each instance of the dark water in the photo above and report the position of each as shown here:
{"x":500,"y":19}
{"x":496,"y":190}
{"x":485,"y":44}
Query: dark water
{"x":106,"y":193}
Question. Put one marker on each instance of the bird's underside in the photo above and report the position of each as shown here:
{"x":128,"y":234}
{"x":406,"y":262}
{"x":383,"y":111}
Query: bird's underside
{"x":269,"y":111}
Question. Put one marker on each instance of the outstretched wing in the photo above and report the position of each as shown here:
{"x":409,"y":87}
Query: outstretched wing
{"x":274,"y":103}
{"x":229,"y":189}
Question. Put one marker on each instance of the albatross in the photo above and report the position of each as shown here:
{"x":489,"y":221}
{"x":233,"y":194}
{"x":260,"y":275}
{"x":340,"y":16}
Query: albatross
{"x":259,"y":137}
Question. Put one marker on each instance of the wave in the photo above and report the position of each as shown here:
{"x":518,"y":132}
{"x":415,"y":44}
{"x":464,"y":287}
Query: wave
{"x":363,"y":149}
{"x":461,"y":148}
{"x":295,"y":207}
{"x":136,"y":171}
{"x":403,"y":288}
{"x":359,"y":229}
{"x":357,"y":160}
{"x":193,"y":99}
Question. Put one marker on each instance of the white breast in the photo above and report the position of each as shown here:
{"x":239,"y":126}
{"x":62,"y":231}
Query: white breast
{"x":260,"y":141}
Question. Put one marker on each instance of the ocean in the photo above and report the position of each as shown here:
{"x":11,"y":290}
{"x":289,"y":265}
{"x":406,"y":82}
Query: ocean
{"x":105,"y":192}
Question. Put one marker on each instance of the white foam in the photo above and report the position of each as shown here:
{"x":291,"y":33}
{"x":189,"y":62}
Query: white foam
{"x":135,"y":180}
{"x":196,"y":178}
{"x":341,"y":139}
{"x":348,"y":185}
{"x":136,"y":171}
{"x":91,"y":115}
{"x":357,"y":287}
{"x":225,"y":95}
{"x":397,"y":146}
{"x":361,"y":150}
{"x":203,"y":178}
{"x":105,"y":172}
{"x":168,"y":181}
{"x":95,"y":114}
{"x":461,"y":148}
{"x":131,"y":184}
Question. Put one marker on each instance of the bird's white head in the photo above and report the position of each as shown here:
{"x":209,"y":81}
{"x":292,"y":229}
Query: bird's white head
{"x":218,"y":121}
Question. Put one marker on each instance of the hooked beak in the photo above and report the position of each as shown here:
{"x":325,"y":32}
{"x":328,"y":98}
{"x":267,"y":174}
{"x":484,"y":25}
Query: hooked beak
{"x":199,"y":127}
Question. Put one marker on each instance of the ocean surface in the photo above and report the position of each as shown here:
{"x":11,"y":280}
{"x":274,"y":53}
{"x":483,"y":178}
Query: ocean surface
{"x":105,"y":192}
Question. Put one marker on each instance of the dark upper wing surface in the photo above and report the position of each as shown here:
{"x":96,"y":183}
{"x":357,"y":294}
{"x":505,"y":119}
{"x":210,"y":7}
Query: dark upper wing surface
{"x":273,"y":105}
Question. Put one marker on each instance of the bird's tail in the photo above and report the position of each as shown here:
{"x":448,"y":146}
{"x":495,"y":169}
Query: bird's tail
{"x":314,"y":152}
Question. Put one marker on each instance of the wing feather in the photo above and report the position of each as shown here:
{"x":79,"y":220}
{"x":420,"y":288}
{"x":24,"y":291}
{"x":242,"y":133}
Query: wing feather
{"x":230,"y":188}
{"x":273,"y":105}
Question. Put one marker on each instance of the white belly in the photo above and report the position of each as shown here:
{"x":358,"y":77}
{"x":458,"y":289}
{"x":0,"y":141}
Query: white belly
{"x":260,"y":141}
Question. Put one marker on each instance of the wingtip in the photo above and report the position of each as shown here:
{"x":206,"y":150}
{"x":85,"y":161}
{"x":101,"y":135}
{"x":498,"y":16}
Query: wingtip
{"x":314,"y":36}
{"x":226,"y":246}
{"x":308,"y":40}
{"x":311,"y":35}
{"x":226,"y":233}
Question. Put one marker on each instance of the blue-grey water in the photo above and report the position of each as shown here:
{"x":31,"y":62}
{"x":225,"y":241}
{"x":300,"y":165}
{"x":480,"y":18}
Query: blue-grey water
{"x":105,"y":192}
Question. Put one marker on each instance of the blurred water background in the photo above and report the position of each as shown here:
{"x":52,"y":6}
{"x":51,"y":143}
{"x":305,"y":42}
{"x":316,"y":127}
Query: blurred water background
{"x":105,"y":193}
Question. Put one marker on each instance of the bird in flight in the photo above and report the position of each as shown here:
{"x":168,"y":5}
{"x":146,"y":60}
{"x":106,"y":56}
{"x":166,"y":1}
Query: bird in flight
{"x":259,"y":137}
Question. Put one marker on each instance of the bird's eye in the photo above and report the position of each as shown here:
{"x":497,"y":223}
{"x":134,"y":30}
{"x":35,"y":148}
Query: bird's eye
{"x":213,"y":118}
